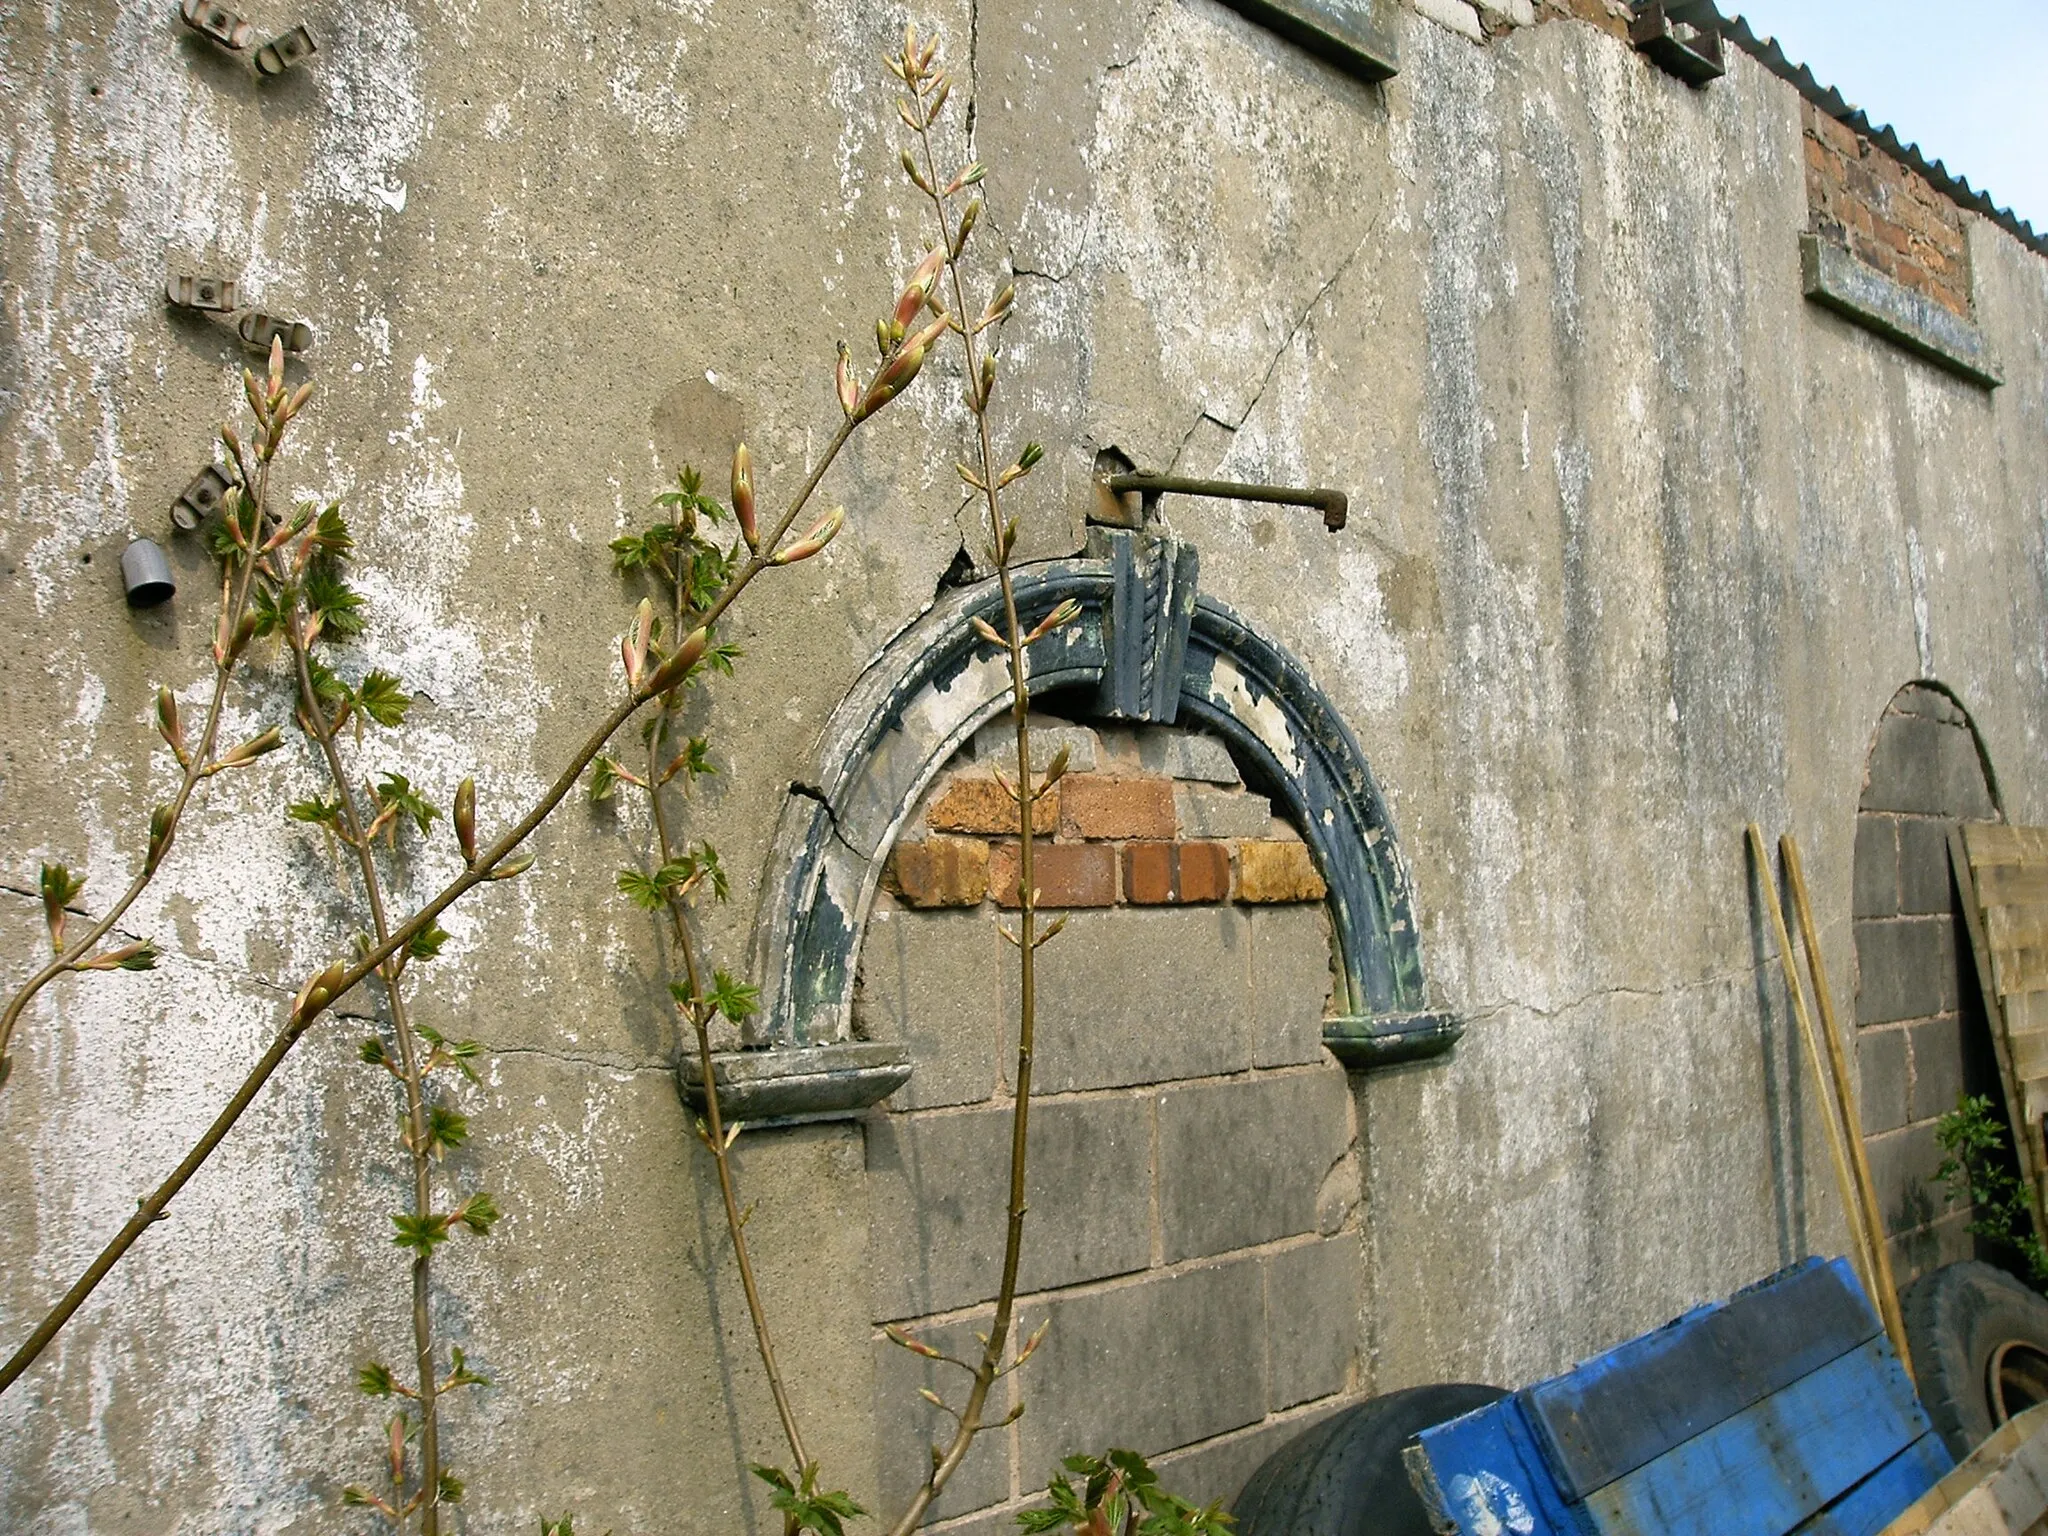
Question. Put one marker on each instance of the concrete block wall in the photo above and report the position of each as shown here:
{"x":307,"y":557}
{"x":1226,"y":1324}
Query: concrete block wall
{"x":1193,"y":1232}
{"x":1922,"y":1039}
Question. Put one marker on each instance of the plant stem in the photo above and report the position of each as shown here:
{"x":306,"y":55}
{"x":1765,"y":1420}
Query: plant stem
{"x":699,"y":1014}
{"x":989,"y":1368}
{"x":234,"y":602}
{"x":152,"y":1206}
{"x":412,"y":1076}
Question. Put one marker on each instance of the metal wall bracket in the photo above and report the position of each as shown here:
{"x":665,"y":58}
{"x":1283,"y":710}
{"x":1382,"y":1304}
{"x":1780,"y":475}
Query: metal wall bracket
{"x":231,"y":30}
{"x":199,"y":500}
{"x":1334,"y":505}
{"x":1153,"y":579}
{"x":286,"y":51}
{"x":1682,"y":38}
{"x":192,"y":290}
{"x":258,"y":329}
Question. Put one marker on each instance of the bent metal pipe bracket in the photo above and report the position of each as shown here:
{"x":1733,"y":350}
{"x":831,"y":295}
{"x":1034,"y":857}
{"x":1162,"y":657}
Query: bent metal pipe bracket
{"x":1111,"y":509}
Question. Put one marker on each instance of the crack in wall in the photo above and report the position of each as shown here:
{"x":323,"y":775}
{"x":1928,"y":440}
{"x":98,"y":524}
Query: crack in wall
{"x":1647,"y":994}
{"x":603,"y":1060}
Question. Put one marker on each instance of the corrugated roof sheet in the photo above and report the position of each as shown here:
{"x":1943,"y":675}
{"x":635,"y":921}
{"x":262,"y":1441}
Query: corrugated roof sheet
{"x":1765,"y":51}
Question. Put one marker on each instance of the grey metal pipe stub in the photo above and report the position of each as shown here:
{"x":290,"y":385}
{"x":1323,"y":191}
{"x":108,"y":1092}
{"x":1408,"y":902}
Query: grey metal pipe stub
{"x":146,"y":572}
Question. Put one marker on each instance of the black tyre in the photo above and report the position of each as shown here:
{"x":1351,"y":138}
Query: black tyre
{"x":1344,"y":1477}
{"x":1980,"y":1349}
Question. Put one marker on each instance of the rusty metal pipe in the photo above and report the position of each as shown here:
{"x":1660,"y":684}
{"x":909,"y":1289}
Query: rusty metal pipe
{"x":1334,"y":505}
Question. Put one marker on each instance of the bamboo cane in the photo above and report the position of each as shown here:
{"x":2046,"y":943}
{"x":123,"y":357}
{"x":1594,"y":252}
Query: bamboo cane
{"x":1852,"y":1208}
{"x":1886,"y":1291}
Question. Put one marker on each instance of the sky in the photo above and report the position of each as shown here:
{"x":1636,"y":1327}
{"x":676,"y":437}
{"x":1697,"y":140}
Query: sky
{"x":1965,"y":79}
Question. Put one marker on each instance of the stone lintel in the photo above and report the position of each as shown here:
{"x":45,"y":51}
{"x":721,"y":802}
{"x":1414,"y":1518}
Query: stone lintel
{"x":1860,"y":293}
{"x":784,"y":1086}
{"x":1339,"y":32}
{"x":1384,"y":1040}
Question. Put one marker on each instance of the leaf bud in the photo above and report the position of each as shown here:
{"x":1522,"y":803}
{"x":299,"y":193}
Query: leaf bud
{"x":161,"y":828}
{"x":633,"y":646}
{"x":253,"y":748}
{"x":743,"y":497}
{"x":171,"y":728}
{"x":986,"y":630}
{"x":688,"y":654}
{"x":232,"y":442}
{"x":317,"y":993}
{"x":849,"y":392}
{"x":514,"y":867}
{"x":917,"y":288}
{"x":254,"y":396}
{"x":465,"y":819}
{"x":969,"y":217}
{"x":885,"y":338}
{"x":821,"y":535}
{"x":1064,"y":613}
{"x":276,"y":368}
{"x":916,"y":176}
{"x":939,"y":98}
{"x":299,"y":398}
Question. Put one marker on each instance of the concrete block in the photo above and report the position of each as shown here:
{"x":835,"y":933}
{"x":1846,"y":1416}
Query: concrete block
{"x":1066,"y":874}
{"x":1455,"y":14}
{"x":939,"y":872}
{"x":1313,"y":1327}
{"x":1965,"y":794}
{"x":1292,"y":964}
{"x":1163,"y":1362}
{"x":1205,"y":811}
{"x":1143,"y":995}
{"x":1906,"y":767}
{"x":976,"y":803}
{"x":1242,"y":1163}
{"x":1876,"y":890}
{"x":1937,"y":1067}
{"x":1884,"y":1079}
{"x":1902,"y":1165}
{"x":936,"y":981}
{"x":1901,"y":967}
{"x":996,"y":745}
{"x":1105,"y":806}
{"x":1926,"y":883}
{"x":1273,"y":870}
{"x":1186,"y":755}
{"x":906,"y":1425}
{"x":939,"y":1187}
{"x":1513,"y":13}
{"x":1175,"y":874}
{"x":1218,"y":1469}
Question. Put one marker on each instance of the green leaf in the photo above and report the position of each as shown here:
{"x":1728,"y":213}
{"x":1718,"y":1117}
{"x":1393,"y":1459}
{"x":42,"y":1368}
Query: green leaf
{"x":462,"y":1375}
{"x":629,"y":554}
{"x":735,"y":999}
{"x":479,"y":1213}
{"x":373,"y":1053}
{"x":60,"y":886}
{"x":643,"y":891}
{"x":422,"y":1234}
{"x":426,"y":944}
{"x":451,"y":1488}
{"x":266,"y":601}
{"x":330,"y":690}
{"x":396,"y":789}
{"x":319,"y":811}
{"x":374,"y":1380}
{"x":327,"y":593}
{"x":446,"y":1128}
{"x":808,"y":1507}
{"x":330,"y":530}
{"x":604,"y":778}
{"x":383,"y":699}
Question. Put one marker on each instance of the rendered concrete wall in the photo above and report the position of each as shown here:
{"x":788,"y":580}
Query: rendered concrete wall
{"x":1642,"y":544}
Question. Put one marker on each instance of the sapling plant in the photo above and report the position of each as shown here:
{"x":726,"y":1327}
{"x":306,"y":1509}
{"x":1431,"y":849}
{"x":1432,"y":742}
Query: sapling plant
{"x":1976,"y":1169}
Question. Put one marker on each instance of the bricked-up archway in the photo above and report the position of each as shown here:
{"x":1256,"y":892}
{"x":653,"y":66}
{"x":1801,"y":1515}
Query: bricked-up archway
{"x":1148,"y":648}
{"x":1921,"y":1035}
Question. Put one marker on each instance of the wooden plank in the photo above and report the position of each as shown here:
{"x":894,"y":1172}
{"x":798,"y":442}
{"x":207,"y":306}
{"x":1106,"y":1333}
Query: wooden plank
{"x":1867,"y":1509}
{"x":2009,"y":884}
{"x":2016,"y":924}
{"x":1999,"y":1488}
{"x":1485,"y":1475}
{"x":1627,"y":1408}
{"x":2021,"y":968}
{"x":1776,"y":1463}
{"x":2030,"y":1054}
{"x":2027,"y":1142}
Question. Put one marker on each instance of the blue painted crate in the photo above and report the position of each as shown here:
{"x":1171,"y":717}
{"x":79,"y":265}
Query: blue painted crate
{"x":1781,"y":1409}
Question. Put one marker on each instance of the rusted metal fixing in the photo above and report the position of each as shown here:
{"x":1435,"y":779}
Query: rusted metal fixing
{"x":258,"y":330}
{"x":285,"y":51}
{"x":224,"y":26}
{"x":1681,"y":37}
{"x":193,"y":290}
{"x":201,"y":499}
{"x":1334,"y":505}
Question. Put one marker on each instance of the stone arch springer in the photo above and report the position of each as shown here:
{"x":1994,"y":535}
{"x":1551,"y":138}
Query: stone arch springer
{"x":1150,"y":648}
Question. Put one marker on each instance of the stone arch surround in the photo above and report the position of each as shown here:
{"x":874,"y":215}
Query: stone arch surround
{"x":1149,"y":648}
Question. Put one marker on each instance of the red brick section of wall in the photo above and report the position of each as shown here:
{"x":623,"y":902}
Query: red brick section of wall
{"x":1122,"y":837}
{"x":1885,"y":215}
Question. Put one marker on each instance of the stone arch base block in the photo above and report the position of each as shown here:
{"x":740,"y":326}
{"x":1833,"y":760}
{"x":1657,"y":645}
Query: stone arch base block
{"x":1151,"y":648}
